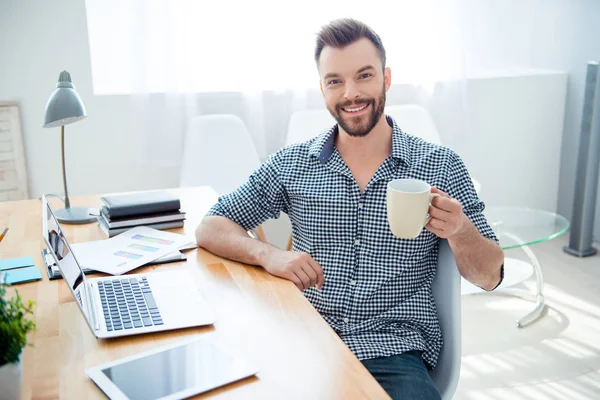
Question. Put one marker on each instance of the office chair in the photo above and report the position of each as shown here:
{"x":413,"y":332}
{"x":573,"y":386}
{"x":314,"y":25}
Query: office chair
{"x":219,"y":152}
{"x":307,"y":124}
{"x":446,"y":292}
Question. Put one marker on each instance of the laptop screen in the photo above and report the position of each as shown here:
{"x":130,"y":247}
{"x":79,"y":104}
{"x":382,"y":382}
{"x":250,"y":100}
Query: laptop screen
{"x":65,"y":259}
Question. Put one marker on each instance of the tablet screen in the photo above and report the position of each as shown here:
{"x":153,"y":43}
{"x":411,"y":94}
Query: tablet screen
{"x":196,"y":365}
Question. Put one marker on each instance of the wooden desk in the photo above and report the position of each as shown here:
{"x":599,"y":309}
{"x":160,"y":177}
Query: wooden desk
{"x":260,"y":317}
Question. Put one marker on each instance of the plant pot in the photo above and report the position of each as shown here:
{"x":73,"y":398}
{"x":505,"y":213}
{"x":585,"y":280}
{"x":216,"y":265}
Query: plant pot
{"x":10,"y":381}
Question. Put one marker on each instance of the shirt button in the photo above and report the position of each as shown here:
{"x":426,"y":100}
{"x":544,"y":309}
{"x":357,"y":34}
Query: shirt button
{"x":346,"y":320}
{"x":353,"y":282}
{"x":356,"y":242}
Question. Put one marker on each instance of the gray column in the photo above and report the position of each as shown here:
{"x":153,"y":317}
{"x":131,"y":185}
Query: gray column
{"x":588,"y":165}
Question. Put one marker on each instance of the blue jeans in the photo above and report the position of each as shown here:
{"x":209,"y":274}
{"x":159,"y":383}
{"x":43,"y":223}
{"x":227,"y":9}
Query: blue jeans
{"x":403,"y":376}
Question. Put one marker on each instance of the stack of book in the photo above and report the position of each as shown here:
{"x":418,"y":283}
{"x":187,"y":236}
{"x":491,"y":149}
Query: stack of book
{"x":158,"y":210}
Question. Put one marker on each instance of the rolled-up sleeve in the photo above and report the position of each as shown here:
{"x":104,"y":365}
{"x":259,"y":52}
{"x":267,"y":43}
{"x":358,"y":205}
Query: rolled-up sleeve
{"x":260,"y":198}
{"x":460,"y":187}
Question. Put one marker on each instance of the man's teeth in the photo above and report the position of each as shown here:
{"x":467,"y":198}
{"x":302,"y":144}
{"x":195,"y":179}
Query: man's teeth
{"x":355,"y":109}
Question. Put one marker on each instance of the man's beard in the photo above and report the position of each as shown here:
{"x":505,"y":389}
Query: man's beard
{"x":359,"y":126}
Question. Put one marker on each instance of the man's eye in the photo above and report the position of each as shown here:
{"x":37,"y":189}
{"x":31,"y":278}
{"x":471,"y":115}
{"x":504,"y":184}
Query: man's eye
{"x":333,"y":82}
{"x":365,"y":75}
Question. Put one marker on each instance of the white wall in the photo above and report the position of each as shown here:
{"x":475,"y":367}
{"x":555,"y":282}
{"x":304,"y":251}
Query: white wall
{"x":514,"y":137}
{"x":551,"y":34}
{"x":38,"y":39}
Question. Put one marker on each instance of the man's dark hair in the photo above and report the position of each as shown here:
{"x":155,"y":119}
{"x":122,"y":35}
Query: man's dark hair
{"x":342,"y":32}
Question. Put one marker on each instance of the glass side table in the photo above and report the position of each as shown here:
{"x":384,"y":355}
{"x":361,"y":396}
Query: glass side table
{"x":520,"y":228}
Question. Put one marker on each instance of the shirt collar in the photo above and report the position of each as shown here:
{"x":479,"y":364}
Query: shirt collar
{"x":323,"y":146}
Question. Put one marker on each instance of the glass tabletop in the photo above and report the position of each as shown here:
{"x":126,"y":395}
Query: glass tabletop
{"x":516,"y":226}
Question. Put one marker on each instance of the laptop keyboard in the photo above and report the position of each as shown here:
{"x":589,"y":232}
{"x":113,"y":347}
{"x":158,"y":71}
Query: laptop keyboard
{"x":128,"y":304}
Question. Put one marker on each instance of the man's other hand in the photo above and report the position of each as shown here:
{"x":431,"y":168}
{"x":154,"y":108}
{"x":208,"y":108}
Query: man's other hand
{"x":297,"y":267}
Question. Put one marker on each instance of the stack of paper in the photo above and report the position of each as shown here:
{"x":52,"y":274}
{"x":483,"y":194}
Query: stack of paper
{"x":129,"y":250}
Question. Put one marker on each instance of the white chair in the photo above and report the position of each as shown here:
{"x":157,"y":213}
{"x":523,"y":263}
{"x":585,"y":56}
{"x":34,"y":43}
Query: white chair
{"x":219,"y":152}
{"x":415,"y":120}
{"x":307,"y":124}
{"x":446,"y":292}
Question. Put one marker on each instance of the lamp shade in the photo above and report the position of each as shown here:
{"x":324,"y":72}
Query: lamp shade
{"x":64,"y":105}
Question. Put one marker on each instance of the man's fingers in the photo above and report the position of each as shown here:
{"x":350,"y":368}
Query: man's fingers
{"x":436,"y":223}
{"x":303,"y":277}
{"x":292,"y":277}
{"x":318,"y":271}
{"x":432,"y":228}
{"x":320,"y":280}
{"x":310,"y":272}
{"x":442,"y":203}
{"x":439,"y":213}
{"x":437,"y":232}
{"x":438,"y":191}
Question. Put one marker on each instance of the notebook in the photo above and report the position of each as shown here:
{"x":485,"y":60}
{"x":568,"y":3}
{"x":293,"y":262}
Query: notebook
{"x":20,"y":275}
{"x":155,"y":202}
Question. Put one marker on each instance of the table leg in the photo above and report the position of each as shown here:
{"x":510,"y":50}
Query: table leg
{"x":537,"y":297}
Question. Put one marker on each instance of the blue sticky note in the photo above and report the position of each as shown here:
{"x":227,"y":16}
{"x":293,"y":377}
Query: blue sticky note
{"x":12,"y":263}
{"x":21,"y":275}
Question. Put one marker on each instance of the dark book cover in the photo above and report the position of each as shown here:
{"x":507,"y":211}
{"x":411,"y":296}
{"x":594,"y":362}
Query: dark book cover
{"x":143,"y":219}
{"x":127,"y":205}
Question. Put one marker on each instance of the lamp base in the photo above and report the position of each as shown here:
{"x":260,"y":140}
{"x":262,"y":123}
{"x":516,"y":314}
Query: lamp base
{"x":75,"y":215}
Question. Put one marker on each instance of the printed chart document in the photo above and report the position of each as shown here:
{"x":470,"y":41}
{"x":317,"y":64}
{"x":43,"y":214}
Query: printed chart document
{"x":129,"y":250}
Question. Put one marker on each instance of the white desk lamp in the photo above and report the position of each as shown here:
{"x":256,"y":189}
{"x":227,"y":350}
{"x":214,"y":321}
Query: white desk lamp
{"x":65,"y":107}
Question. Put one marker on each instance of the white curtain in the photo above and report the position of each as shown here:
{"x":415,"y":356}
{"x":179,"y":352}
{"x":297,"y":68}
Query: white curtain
{"x":177,"y":59}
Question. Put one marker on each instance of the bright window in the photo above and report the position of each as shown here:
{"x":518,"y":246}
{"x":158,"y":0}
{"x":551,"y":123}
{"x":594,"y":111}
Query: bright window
{"x":145,"y":46}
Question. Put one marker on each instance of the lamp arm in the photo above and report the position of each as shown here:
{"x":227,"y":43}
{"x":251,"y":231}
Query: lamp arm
{"x":64,"y":173}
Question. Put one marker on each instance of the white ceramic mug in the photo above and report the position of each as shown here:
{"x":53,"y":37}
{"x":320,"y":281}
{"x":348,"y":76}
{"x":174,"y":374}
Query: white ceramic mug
{"x":408,"y":202}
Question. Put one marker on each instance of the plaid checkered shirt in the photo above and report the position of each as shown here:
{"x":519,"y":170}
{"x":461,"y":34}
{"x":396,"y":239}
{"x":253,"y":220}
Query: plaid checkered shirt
{"x":377,"y":293}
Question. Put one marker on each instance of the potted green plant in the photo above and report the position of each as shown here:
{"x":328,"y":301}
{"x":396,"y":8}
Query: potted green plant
{"x":14,"y":327}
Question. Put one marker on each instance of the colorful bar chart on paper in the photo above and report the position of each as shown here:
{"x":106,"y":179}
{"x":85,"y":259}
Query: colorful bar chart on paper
{"x":142,"y":247}
{"x":150,"y":239}
{"x":128,"y":255}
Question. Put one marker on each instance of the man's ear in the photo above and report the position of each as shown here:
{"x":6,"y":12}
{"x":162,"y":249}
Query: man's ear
{"x":321,"y":87}
{"x":387,"y":78}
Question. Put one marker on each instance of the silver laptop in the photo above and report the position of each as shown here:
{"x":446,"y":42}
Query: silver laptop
{"x":128,"y":304}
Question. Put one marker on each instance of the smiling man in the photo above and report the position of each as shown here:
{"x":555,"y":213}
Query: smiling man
{"x":373,"y":288}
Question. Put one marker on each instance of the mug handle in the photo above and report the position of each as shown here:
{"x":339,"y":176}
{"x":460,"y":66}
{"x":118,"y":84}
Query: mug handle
{"x":431,"y":197}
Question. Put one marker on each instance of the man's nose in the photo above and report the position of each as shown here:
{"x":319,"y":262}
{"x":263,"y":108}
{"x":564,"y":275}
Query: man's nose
{"x":351,"y":92}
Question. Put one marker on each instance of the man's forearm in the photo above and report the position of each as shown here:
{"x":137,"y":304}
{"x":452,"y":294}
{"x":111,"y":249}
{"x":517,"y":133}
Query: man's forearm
{"x":478,"y":258}
{"x":225,"y":238}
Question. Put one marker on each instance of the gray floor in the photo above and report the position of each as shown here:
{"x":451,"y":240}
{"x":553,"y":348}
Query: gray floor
{"x":557,"y":357}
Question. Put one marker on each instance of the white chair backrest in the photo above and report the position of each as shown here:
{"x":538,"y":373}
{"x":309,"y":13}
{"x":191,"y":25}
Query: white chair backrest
{"x":446,"y":292}
{"x":219,"y":152}
{"x":307,"y":124}
{"x":415,"y":120}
